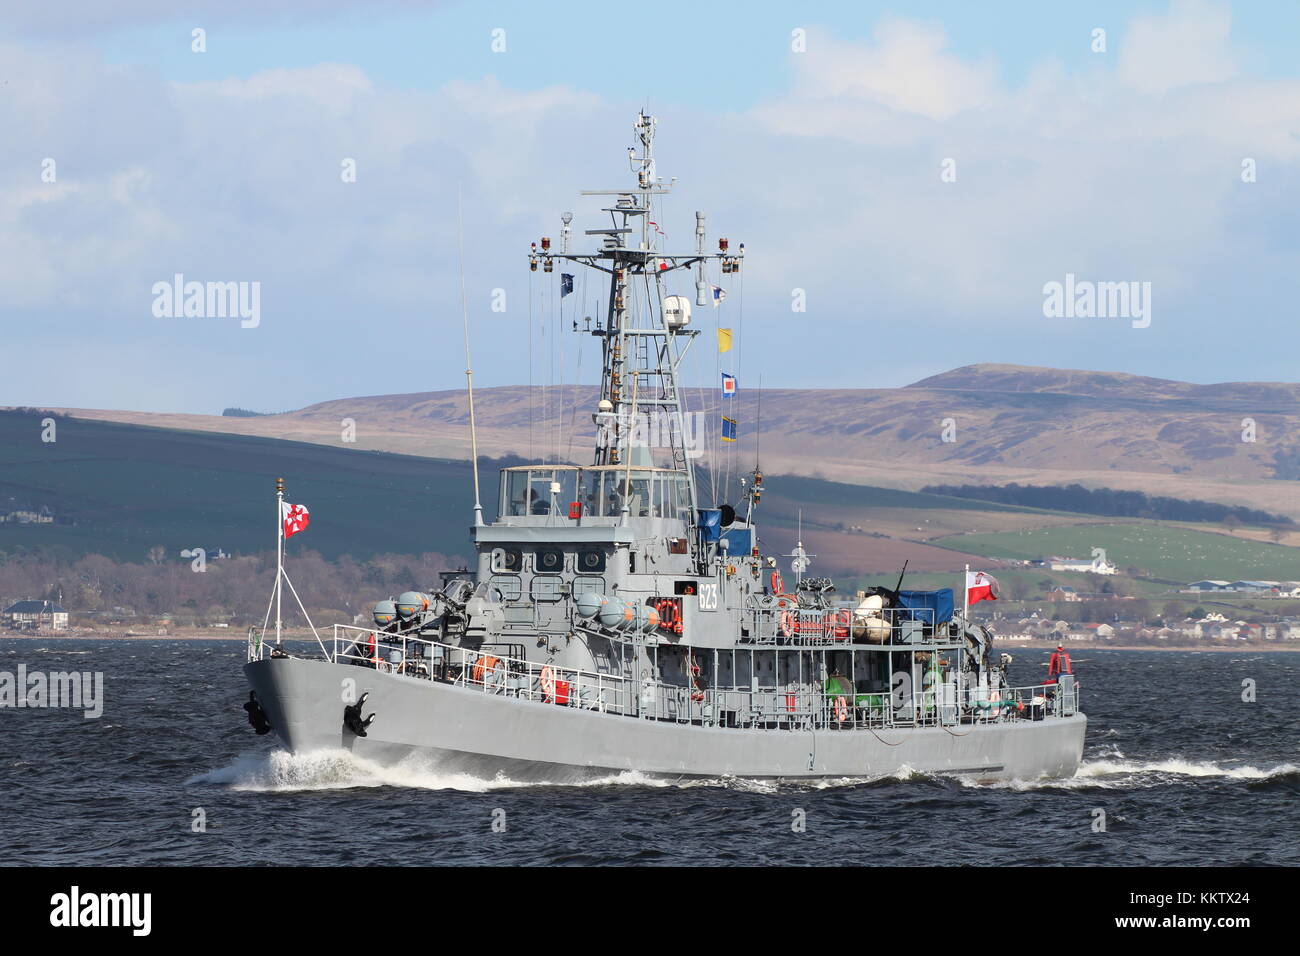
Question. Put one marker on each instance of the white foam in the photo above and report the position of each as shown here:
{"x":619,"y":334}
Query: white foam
{"x":1113,"y":772}
{"x":1180,"y":766}
{"x":280,"y":771}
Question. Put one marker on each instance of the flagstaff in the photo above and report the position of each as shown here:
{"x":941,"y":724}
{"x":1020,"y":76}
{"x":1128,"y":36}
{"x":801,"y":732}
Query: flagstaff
{"x":279,"y":550}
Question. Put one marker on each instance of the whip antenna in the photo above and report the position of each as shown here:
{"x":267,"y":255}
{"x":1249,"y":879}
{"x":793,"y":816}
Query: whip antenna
{"x":469,"y":366}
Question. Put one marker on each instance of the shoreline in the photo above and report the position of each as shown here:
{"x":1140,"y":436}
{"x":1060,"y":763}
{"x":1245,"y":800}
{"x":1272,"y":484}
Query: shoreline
{"x":1046,"y":647}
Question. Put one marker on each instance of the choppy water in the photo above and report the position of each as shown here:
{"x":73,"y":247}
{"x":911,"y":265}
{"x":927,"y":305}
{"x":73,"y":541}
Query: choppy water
{"x":1184,"y":770}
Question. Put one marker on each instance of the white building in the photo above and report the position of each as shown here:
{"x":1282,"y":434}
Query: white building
{"x":35,"y":615}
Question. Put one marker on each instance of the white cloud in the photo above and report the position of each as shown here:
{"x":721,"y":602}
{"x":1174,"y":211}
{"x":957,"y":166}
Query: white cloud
{"x":1188,"y":45}
{"x":834,"y":186}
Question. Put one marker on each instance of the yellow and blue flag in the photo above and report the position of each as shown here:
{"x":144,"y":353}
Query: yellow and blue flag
{"x":728,"y":428}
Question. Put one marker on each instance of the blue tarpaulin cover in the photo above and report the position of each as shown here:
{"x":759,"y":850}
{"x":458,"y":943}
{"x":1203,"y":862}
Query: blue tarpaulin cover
{"x":931,"y":607}
{"x":739,"y":540}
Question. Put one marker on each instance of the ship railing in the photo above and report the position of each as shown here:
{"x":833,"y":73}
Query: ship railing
{"x":794,"y":626}
{"x":939,"y":705}
{"x":489,"y":671}
{"x":485,"y":669}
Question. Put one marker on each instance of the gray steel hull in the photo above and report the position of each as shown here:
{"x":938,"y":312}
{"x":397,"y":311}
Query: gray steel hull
{"x":467,"y":731}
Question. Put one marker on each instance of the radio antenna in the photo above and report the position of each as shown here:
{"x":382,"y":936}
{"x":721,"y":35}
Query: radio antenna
{"x":469,"y":366}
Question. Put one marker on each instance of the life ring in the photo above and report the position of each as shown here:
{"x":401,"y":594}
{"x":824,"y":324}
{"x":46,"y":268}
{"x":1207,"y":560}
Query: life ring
{"x":483,"y":666}
{"x":372,"y":647}
{"x":788,"y":624}
{"x":778,"y":586}
{"x":841,"y":709}
{"x":697,"y":695}
{"x":548,"y":683}
{"x":670,"y":615}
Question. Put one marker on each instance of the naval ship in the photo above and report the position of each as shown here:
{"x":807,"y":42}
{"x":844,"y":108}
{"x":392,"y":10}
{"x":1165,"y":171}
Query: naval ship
{"x":614,"y":621}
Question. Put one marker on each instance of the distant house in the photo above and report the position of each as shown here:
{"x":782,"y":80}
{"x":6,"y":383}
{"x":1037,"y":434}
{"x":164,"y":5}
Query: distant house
{"x":1063,"y":594}
{"x":1257,"y":587}
{"x":1209,"y":586}
{"x":42,"y":515}
{"x":35,"y":615}
{"x":1098,"y":565}
{"x":1223,"y":632}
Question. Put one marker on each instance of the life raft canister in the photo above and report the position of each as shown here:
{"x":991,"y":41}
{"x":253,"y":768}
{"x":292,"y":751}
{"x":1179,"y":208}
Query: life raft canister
{"x":483,"y":666}
{"x":842,"y":620}
{"x":562,"y":691}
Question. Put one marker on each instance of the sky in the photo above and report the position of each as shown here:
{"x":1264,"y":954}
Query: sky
{"x":916,"y":175}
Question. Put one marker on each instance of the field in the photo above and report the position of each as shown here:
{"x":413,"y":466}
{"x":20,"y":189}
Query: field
{"x":1166,"y":551}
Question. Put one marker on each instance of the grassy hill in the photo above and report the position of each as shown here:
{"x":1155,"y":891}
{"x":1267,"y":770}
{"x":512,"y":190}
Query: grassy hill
{"x":129,"y":488}
{"x":1032,"y":426}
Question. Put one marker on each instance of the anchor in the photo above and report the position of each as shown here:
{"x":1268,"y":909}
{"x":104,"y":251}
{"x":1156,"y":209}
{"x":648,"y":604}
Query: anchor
{"x":352,"y":718}
{"x":256,"y":715}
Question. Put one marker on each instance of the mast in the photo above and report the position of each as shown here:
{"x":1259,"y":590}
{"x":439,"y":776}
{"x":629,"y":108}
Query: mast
{"x":641,"y":348}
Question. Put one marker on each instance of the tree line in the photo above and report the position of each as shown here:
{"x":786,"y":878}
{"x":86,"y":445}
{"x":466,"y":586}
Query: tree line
{"x":233,"y":591}
{"x":1109,"y":502}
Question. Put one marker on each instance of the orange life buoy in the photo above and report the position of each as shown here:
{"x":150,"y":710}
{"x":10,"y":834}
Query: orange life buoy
{"x":548,"y":683}
{"x":778,"y":586}
{"x":788,"y":623}
{"x":372,"y":645}
{"x":841,"y":709}
{"x":670,"y":614}
{"x":483,"y":666}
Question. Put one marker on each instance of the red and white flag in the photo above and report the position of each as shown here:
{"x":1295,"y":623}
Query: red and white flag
{"x":981,"y":587}
{"x":296,"y":519}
